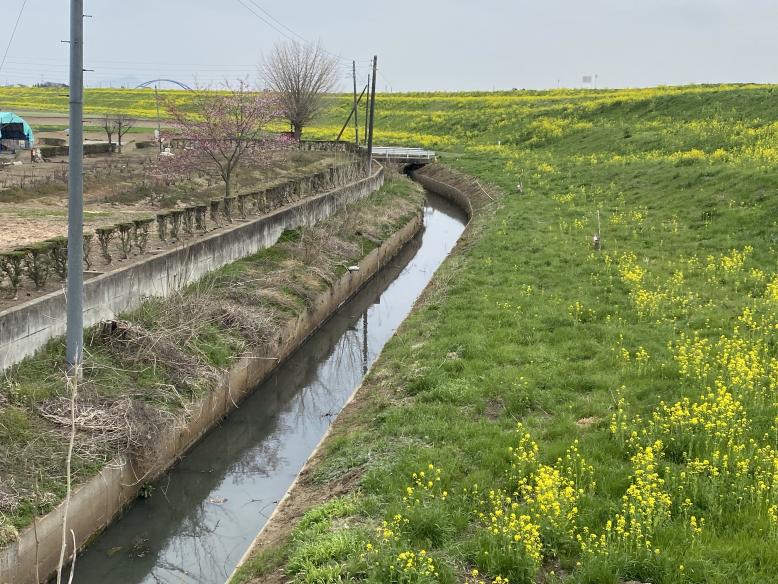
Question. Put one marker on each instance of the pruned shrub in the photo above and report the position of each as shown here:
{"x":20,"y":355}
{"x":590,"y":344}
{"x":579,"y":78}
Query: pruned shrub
{"x":126,"y":236}
{"x":12,"y":265}
{"x":162,"y":227}
{"x":175,"y":223}
{"x":216,"y":215}
{"x":58,"y":254}
{"x":141,"y":234}
{"x":37,"y":263}
{"x":200,"y":214}
{"x":243,"y":206}
{"x":104,"y":237}
{"x":258,"y":202}
{"x":187,"y":221}
{"x":88,"y":237}
{"x":227,"y":208}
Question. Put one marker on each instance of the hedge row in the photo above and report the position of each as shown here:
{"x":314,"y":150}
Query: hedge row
{"x":39,"y":261}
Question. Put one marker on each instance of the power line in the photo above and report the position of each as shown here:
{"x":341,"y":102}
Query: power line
{"x":385,"y":79}
{"x":279,"y":30}
{"x":265,"y":20}
{"x":13,"y":33}
{"x":255,"y":3}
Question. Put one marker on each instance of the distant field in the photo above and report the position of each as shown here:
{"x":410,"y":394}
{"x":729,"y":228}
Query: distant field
{"x":133,"y":102}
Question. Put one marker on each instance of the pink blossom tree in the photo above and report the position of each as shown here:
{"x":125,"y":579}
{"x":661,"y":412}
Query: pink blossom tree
{"x":217,"y":131}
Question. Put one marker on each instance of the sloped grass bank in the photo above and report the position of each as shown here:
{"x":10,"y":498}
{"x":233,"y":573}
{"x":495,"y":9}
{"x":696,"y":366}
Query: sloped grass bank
{"x":144,"y":372}
{"x":552,"y":412}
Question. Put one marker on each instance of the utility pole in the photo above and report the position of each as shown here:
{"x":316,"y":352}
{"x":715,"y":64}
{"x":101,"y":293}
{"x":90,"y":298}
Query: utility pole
{"x":367,"y":107}
{"x":356,"y":112}
{"x":75,"y":279}
{"x":372,"y":120}
{"x":159,"y":128}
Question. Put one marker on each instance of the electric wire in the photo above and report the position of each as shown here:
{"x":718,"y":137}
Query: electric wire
{"x":265,"y":20}
{"x":13,"y":33}
{"x":259,"y":7}
{"x":35,"y":68}
{"x":281,"y":32}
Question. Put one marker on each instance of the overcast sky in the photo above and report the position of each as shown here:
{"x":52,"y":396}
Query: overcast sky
{"x":421,"y":44}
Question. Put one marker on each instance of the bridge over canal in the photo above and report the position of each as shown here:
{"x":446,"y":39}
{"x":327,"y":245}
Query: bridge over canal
{"x":398,"y":155}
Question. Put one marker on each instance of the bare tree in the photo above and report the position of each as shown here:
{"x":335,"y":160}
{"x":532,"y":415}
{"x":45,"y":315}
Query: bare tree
{"x":109,"y":125}
{"x":301,"y":74}
{"x":123,"y":125}
{"x":218,"y":131}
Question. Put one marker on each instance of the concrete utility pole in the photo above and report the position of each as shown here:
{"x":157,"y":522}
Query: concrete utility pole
{"x":367,"y":107}
{"x":372,"y":120}
{"x":356,"y":112}
{"x":75,"y":279}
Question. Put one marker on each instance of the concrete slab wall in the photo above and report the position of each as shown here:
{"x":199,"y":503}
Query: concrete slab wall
{"x":26,"y":328}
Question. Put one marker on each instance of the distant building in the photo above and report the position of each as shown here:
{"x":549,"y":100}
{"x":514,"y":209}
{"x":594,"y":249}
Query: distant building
{"x":15,"y":133}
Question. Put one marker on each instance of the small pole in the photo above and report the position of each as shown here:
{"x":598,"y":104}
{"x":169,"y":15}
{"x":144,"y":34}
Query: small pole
{"x":597,"y":240}
{"x":353,"y":112}
{"x":74,"y":352}
{"x":372,"y":120}
{"x":356,"y":113}
{"x":159,"y":127}
{"x":367,"y":107}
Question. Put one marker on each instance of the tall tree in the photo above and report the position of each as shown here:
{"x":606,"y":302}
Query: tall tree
{"x":301,"y":74}
{"x":219,"y":130}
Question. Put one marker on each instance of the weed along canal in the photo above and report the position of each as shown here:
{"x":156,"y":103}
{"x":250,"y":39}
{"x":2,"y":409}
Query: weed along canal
{"x":200,"y":518}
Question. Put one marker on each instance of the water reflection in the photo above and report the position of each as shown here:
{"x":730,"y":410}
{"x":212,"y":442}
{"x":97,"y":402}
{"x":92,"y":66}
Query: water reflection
{"x":203,"y":515}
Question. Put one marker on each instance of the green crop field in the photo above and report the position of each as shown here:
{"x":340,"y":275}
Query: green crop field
{"x":554,"y":413}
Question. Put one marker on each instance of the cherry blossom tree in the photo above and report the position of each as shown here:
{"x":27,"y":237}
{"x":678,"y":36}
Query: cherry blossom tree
{"x":217,"y":131}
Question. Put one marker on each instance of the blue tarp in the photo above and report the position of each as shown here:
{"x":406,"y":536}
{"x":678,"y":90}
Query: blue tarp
{"x":12,"y":127}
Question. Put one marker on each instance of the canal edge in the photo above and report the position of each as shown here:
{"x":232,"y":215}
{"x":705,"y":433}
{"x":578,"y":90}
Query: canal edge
{"x":461,"y":190}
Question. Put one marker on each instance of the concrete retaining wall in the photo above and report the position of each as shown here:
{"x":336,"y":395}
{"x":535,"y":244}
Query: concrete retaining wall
{"x":445,"y":190}
{"x":26,"y":328}
{"x":97,"y":502}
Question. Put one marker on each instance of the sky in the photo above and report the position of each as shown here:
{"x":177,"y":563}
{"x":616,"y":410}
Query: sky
{"x":422,"y":45}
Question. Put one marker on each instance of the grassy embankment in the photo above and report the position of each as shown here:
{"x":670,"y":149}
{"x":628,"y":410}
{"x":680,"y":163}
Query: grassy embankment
{"x":554,"y":413}
{"x":162,"y":357}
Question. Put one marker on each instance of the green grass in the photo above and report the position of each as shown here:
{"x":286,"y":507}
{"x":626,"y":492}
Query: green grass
{"x":531,"y":325}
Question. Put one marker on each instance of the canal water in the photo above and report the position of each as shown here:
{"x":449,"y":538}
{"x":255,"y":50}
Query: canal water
{"x":202,"y":516}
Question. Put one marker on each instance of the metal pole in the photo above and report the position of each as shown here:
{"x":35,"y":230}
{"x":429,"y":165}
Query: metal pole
{"x":159,"y":127}
{"x":75,"y":279}
{"x":356,"y":113}
{"x":372,"y":120}
{"x":351,"y":113}
{"x":367,"y":107}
